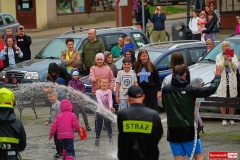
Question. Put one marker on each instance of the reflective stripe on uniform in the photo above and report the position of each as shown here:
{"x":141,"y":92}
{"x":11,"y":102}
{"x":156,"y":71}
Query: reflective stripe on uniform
{"x":137,"y":126}
{"x":9,"y":140}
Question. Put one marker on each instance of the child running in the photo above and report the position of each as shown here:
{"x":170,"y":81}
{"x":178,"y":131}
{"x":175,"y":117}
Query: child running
{"x":55,"y":110}
{"x":63,"y":125}
{"x":125,"y":79}
{"x":104,"y":98}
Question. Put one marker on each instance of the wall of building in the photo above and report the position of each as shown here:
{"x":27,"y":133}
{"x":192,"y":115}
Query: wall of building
{"x":126,"y":15}
{"x":41,"y":14}
{"x":228,"y":20}
{"x":8,"y":6}
{"x":54,"y":20}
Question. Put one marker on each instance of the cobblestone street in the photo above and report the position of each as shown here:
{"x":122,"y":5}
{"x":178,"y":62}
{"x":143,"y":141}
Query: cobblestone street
{"x":215,"y":138}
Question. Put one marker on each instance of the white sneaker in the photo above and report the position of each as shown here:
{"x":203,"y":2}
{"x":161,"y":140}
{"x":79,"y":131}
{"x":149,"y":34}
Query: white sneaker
{"x":232,"y":122}
{"x":224,"y":122}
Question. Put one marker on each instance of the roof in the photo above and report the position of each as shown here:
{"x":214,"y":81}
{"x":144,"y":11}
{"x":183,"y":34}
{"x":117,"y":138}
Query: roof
{"x":173,"y":44}
{"x":79,"y":33}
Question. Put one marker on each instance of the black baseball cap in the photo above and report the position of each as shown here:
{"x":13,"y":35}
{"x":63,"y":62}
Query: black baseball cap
{"x":135,"y":92}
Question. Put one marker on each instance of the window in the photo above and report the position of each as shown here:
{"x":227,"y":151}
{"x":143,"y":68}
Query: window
{"x":165,"y":61}
{"x":112,"y":40}
{"x":25,"y":5}
{"x":70,"y":6}
{"x":8,"y":18}
{"x":1,"y":21}
{"x":55,"y":47}
{"x":196,"y":54}
{"x":139,"y":39}
{"x":102,"y":5}
{"x":227,"y":6}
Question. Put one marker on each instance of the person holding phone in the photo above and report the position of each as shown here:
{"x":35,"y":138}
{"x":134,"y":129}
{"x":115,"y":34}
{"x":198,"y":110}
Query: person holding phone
{"x":228,"y":84}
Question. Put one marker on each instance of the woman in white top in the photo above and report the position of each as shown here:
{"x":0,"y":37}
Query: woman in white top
{"x":193,"y":26}
{"x":228,"y":84}
{"x":9,"y":54}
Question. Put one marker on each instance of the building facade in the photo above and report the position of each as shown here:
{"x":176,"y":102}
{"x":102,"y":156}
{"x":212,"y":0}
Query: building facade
{"x":43,"y":14}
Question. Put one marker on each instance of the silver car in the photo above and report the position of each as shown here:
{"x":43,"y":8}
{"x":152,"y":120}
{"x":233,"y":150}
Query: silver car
{"x":206,"y":66}
{"x":8,"y":20}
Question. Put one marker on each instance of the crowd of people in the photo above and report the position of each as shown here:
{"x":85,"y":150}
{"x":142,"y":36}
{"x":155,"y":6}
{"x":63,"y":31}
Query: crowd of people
{"x":14,"y":48}
{"x":204,"y":24}
{"x":157,"y":19}
{"x":98,"y":65}
{"x":138,"y":89}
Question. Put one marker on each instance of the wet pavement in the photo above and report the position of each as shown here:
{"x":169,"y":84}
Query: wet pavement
{"x":215,"y":138}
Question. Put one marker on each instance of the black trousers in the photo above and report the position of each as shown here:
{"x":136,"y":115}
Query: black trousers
{"x":58,"y":144}
{"x":99,"y":124}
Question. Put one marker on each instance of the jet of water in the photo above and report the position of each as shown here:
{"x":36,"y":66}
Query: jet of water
{"x":38,"y":91}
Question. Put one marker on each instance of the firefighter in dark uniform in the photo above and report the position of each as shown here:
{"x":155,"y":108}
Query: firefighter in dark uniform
{"x":140,"y":129}
{"x":12,"y":133}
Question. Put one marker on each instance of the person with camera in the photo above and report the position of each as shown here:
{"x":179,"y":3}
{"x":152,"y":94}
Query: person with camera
{"x":158,"y":20}
{"x":24,"y":41}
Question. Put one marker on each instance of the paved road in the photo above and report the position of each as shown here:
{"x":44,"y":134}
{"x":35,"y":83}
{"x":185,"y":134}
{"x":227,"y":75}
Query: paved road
{"x":215,"y":138}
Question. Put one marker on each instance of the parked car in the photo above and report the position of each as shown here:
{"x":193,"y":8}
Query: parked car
{"x":156,"y":2}
{"x":206,"y":66}
{"x":35,"y":70}
{"x":8,"y":20}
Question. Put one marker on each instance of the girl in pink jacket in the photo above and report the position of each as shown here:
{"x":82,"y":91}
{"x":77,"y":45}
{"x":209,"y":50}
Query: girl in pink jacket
{"x":64,"y":124}
{"x":99,"y":70}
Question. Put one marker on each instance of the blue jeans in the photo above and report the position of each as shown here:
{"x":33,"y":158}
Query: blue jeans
{"x":214,"y":36}
{"x":68,"y":145}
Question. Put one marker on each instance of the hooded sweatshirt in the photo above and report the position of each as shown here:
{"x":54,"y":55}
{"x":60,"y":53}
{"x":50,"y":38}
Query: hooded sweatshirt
{"x":65,"y":122}
{"x":76,"y":84}
{"x":90,"y":49}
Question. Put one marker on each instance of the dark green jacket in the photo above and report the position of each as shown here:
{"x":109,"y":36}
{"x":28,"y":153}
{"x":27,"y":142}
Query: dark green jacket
{"x":90,"y":49}
{"x":179,"y":101}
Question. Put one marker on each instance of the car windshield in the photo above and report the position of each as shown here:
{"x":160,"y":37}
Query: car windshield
{"x":152,"y":54}
{"x":54,"y":48}
{"x":234,"y":43}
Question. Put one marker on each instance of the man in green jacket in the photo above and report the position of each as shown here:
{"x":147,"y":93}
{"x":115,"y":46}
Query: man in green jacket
{"x":179,"y":101}
{"x":91,"y":47}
